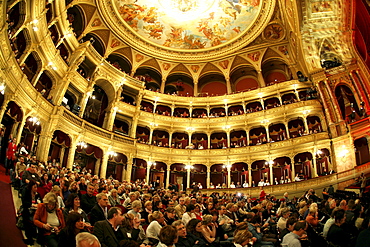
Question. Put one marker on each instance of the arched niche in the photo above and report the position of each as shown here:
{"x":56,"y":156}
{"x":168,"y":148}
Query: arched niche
{"x":257,"y":136}
{"x":199,"y":174}
{"x":96,"y":42}
{"x":218,"y":175}
{"x":158,"y":174}
{"x":160,"y":138}
{"x":281,"y":169}
{"x":296,"y":128}
{"x":163,"y":110}
{"x":142,"y":134}
{"x":181,"y":112}
{"x":150,"y":76}
{"x":314,"y":124}
{"x":76,"y":19}
{"x":303,"y":164}
{"x":59,"y":148}
{"x":121,"y":127}
{"x":117,"y":165}
{"x":235,"y":110}
{"x":95,"y":107}
{"x":362,"y":151}
{"x":244,"y":78}
{"x":44,"y":84}
{"x":277,"y":132}
{"x":289,"y":98}
{"x":347,"y":103}
{"x":260,"y":171}
{"x":272,"y":103}
{"x":139,"y":170}
{"x":253,"y":107}
{"x":239,"y":174}
{"x":217,"y":112}
{"x":323,"y":161}
{"x":219,"y":140}
{"x":180,"y":140}
{"x":31,"y":66}
{"x":183,"y":84}
{"x":199,"y":113}
{"x":178,"y":175}
{"x":199,"y":140}
{"x":212,"y":85}
{"x":146,"y":106}
{"x":30,"y":134}
{"x":275,"y":71}
{"x":238,"y":138}
{"x":120,"y":62}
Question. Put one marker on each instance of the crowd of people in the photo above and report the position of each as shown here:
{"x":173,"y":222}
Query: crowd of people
{"x":59,"y":204}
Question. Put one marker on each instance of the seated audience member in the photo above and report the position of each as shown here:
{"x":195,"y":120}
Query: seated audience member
{"x":313,"y":217}
{"x":224,"y":221}
{"x":88,"y":200}
{"x":292,"y":238}
{"x":127,"y":203}
{"x":336,"y":234}
{"x":156,"y":221}
{"x":100,"y":210}
{"x":58,"y":192}
{"x":135,"y":209}
{"x":207,"y":228}
{"x":114,"y":198}
{"x":242,"y":238}
{"x":49,"y":219}
{"x":134,"y":230}
{"x":363,"y":239}
{"x":289,"y":226}
{"x":254,"y":226}
{"x":73,"y":205}
{"x":109,"y":232}
{"x":285,"y":213}
{"x":180,"y":208}
{"x":167,"y":237}
{"x":74,"y":225}
{"x":85,"y":239}
{"x":189,"y":214}
{"x":169,"y":215}
{"x":148,"y":209}
{"x":187,"y":239}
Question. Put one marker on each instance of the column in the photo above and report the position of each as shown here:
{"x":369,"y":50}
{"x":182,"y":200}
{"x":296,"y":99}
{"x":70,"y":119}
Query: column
{"x":135,"y":120}
{"x":4,"y":106}
{"x":314,"y":168}
{"x":155,"y":106}
{"x":292,"y":175}
{"x":104,"y":164}
{"x":228,"y":85}
{"x":228,"y":138}
{"x":364,"y":89}
{"x":306,"y":125}
{"x":188,"y":178}
{"x":20,"y":128}
{"x":209,"y":141}
{"x":129,"y":169}
{"x":208,"y":182}
{"x":330,"y":120}
{"x":190,"y":134}
{"x":61,"y":156}
{"x":170,"y":139}
{"x":168,"y":177}
{"x":228,"y":175}
{"x":261,"y":79}
{"x":195,"y":87}
{"x":267,"y":134}
{"x":150,"y":136}
{"x":271,"y":174}
{"x":37,"y":77}
{"x":247,"y":134}
{"x":297,"y":94}
{"x":163,"y":84}
{"x":262,"y":103}
{"x":149,"y":164}
{"x":249,"y":175}
{"x":44,"y":145}
{"x":110,"y":117}
{"x":84,"y":100}
{"x":287,"y":130}
{"x":97,"y":167}
{"x":71,"y":153}
{"x":335,"y":104}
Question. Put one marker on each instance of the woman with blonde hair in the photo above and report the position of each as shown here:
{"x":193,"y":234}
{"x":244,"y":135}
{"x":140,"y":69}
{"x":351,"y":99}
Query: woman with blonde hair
{"x":208,"y":229}
{"x":156,"y":220}
{"x":242,"y":238}
{"x":114,"y":198}
{"x":49,"y":219}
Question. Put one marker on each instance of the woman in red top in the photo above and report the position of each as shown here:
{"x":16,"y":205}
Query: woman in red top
{"x":10,"y":156}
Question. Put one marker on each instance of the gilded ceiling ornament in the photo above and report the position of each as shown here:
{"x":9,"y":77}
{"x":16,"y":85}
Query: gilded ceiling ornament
{"x":255,"y":56}
{"x":195,"y":68}
{"x":115,"y":43}
{"x":96,"y":23}
{"x":273,"y":32}
{"x":166,"y":66}
{"x":224,"y":64}
{"x":139,"y":57}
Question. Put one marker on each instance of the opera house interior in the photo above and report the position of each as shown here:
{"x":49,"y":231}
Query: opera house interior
{"x":213,"y":92}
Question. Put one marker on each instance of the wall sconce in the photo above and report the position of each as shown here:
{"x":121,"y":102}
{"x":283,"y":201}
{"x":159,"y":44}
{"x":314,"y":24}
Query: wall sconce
{"x":2,"y":88}
{"x":34,"y":23}
{"x":82,"y":144}
{"x":343,"y":153}
{"x":190,"y":128}
{"x":112,"y":154}
{"x":226,"y":127}
{"x":154,"y":124}
{"x":189,"y":167}
{"x":305,"y":112}
{"x":265,"y":121}
{"x":34,"y":120}
{"x":51,"y":65}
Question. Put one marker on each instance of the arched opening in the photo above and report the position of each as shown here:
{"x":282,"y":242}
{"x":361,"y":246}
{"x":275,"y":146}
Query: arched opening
{"x":219,"y":140}
{"x":260,"y":172}
{"x":150,"y":76}
{"x":289,"y":98}
{"x":198,"y":175}
{"x":119,"y":62}
{"x":277,"y":132}
{"x":139,"y":170}
{"x":235,"y":110}
{"x":314,"y":124}
{"x":296,"y":128}
{"x":323,"y":162}
{"x":54,"y":35}
{"x":116,"y":167}
{"x":347,"y":103}
{"x":272,"y":103}
{"x":253,"y":107}
{"x":44,"y":85}
{"x":217,"y":112}
{"x":281,"y":170}
{"x":239,"y":174}
{"x":163,"y":110}
{"x":238,"y":139}
{"x":180,"y":140}
{"x":218,"y":176}
{"x":257,"y":136}
{"x":303,"y":165}
{"x":146,"y":106}
{"x":31,"y":67}
{"x":142,"y":134}
{"x":160,"y":138}
{"x":95,"y":107}
{"x":158,"y":174}
{"x":200,"y":140}
{"x":178,"y":176}
{"x":120,"y":127}
{"x":76,"y":19}
{"x":30,"y":135}
{"x":362,"y":151}
{"x":244,"y":79}
{"x":275,"y":71}
{"x":212,"y":85}
{"x":181,"y":112}
{"x":96,"y":42}
{"x":199,"y":113}
{"x":182,"y":83}
{"x":59,"y":148}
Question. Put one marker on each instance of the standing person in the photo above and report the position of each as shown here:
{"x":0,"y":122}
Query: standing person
{"x":10,"y":156}
{"x":30,"y":199}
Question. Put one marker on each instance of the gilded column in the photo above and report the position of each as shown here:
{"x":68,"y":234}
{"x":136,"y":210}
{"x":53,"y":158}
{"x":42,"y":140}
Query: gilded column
{"x":228,"y":85}
{"x":61,"y":156}
{"x":292,"y":175}
{"x":71,"y":153}
{"x":97,"y":167}
{"x":104,"y":164}
{"x":150,"y":136}
{"x":271,"y":174}
{"x":148,"y":166}
{"x":20,"y":128}
{"x":228,"y":175}
{"x":85,"y":98}
{"x":168,"y":177}
{"x":188,"y":178}
{"x":208,"y":176}
{"x":261,"y":79}
{"x":249,"y":175}
{"x":129,"y":168}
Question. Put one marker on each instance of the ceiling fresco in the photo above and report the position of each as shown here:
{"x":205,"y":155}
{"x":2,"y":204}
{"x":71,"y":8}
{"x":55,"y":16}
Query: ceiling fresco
{"x":189,"y":24}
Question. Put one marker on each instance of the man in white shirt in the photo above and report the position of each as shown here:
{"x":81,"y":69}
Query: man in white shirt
{"x":245,"y":184}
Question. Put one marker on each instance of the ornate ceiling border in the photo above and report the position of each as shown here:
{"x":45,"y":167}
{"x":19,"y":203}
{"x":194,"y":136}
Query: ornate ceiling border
{"x":113,"y":21}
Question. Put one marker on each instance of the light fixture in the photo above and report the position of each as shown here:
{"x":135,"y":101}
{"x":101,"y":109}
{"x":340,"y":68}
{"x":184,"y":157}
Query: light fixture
{"x":154,"y":124}
{"x":51,"y":65}
{"x":343,"y":152}
{"x":226,"y":127}
{"x":265,"y":121}
{"x":2,"y":88}
{"x":112,"y":154}
{"x":305,"y":112}
{"x":271,"y":162}
{"x":189,"y":167}
{"x":82,"y":144}
{"x":34,"y":120}
{"x":190,"y":128}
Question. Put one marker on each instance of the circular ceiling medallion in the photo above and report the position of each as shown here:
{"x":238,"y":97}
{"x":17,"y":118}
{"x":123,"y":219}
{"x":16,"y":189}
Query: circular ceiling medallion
{"x":188,"y":24}
{"x":187,"y":30}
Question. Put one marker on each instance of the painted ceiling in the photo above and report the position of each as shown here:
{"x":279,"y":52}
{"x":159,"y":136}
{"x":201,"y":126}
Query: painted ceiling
{"x":189,"y":24}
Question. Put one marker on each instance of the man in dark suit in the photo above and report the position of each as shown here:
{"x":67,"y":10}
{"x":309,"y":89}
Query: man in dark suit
{"x":109,"y":231}
{"x":99,"y":211}
{"x":88,"y":200}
